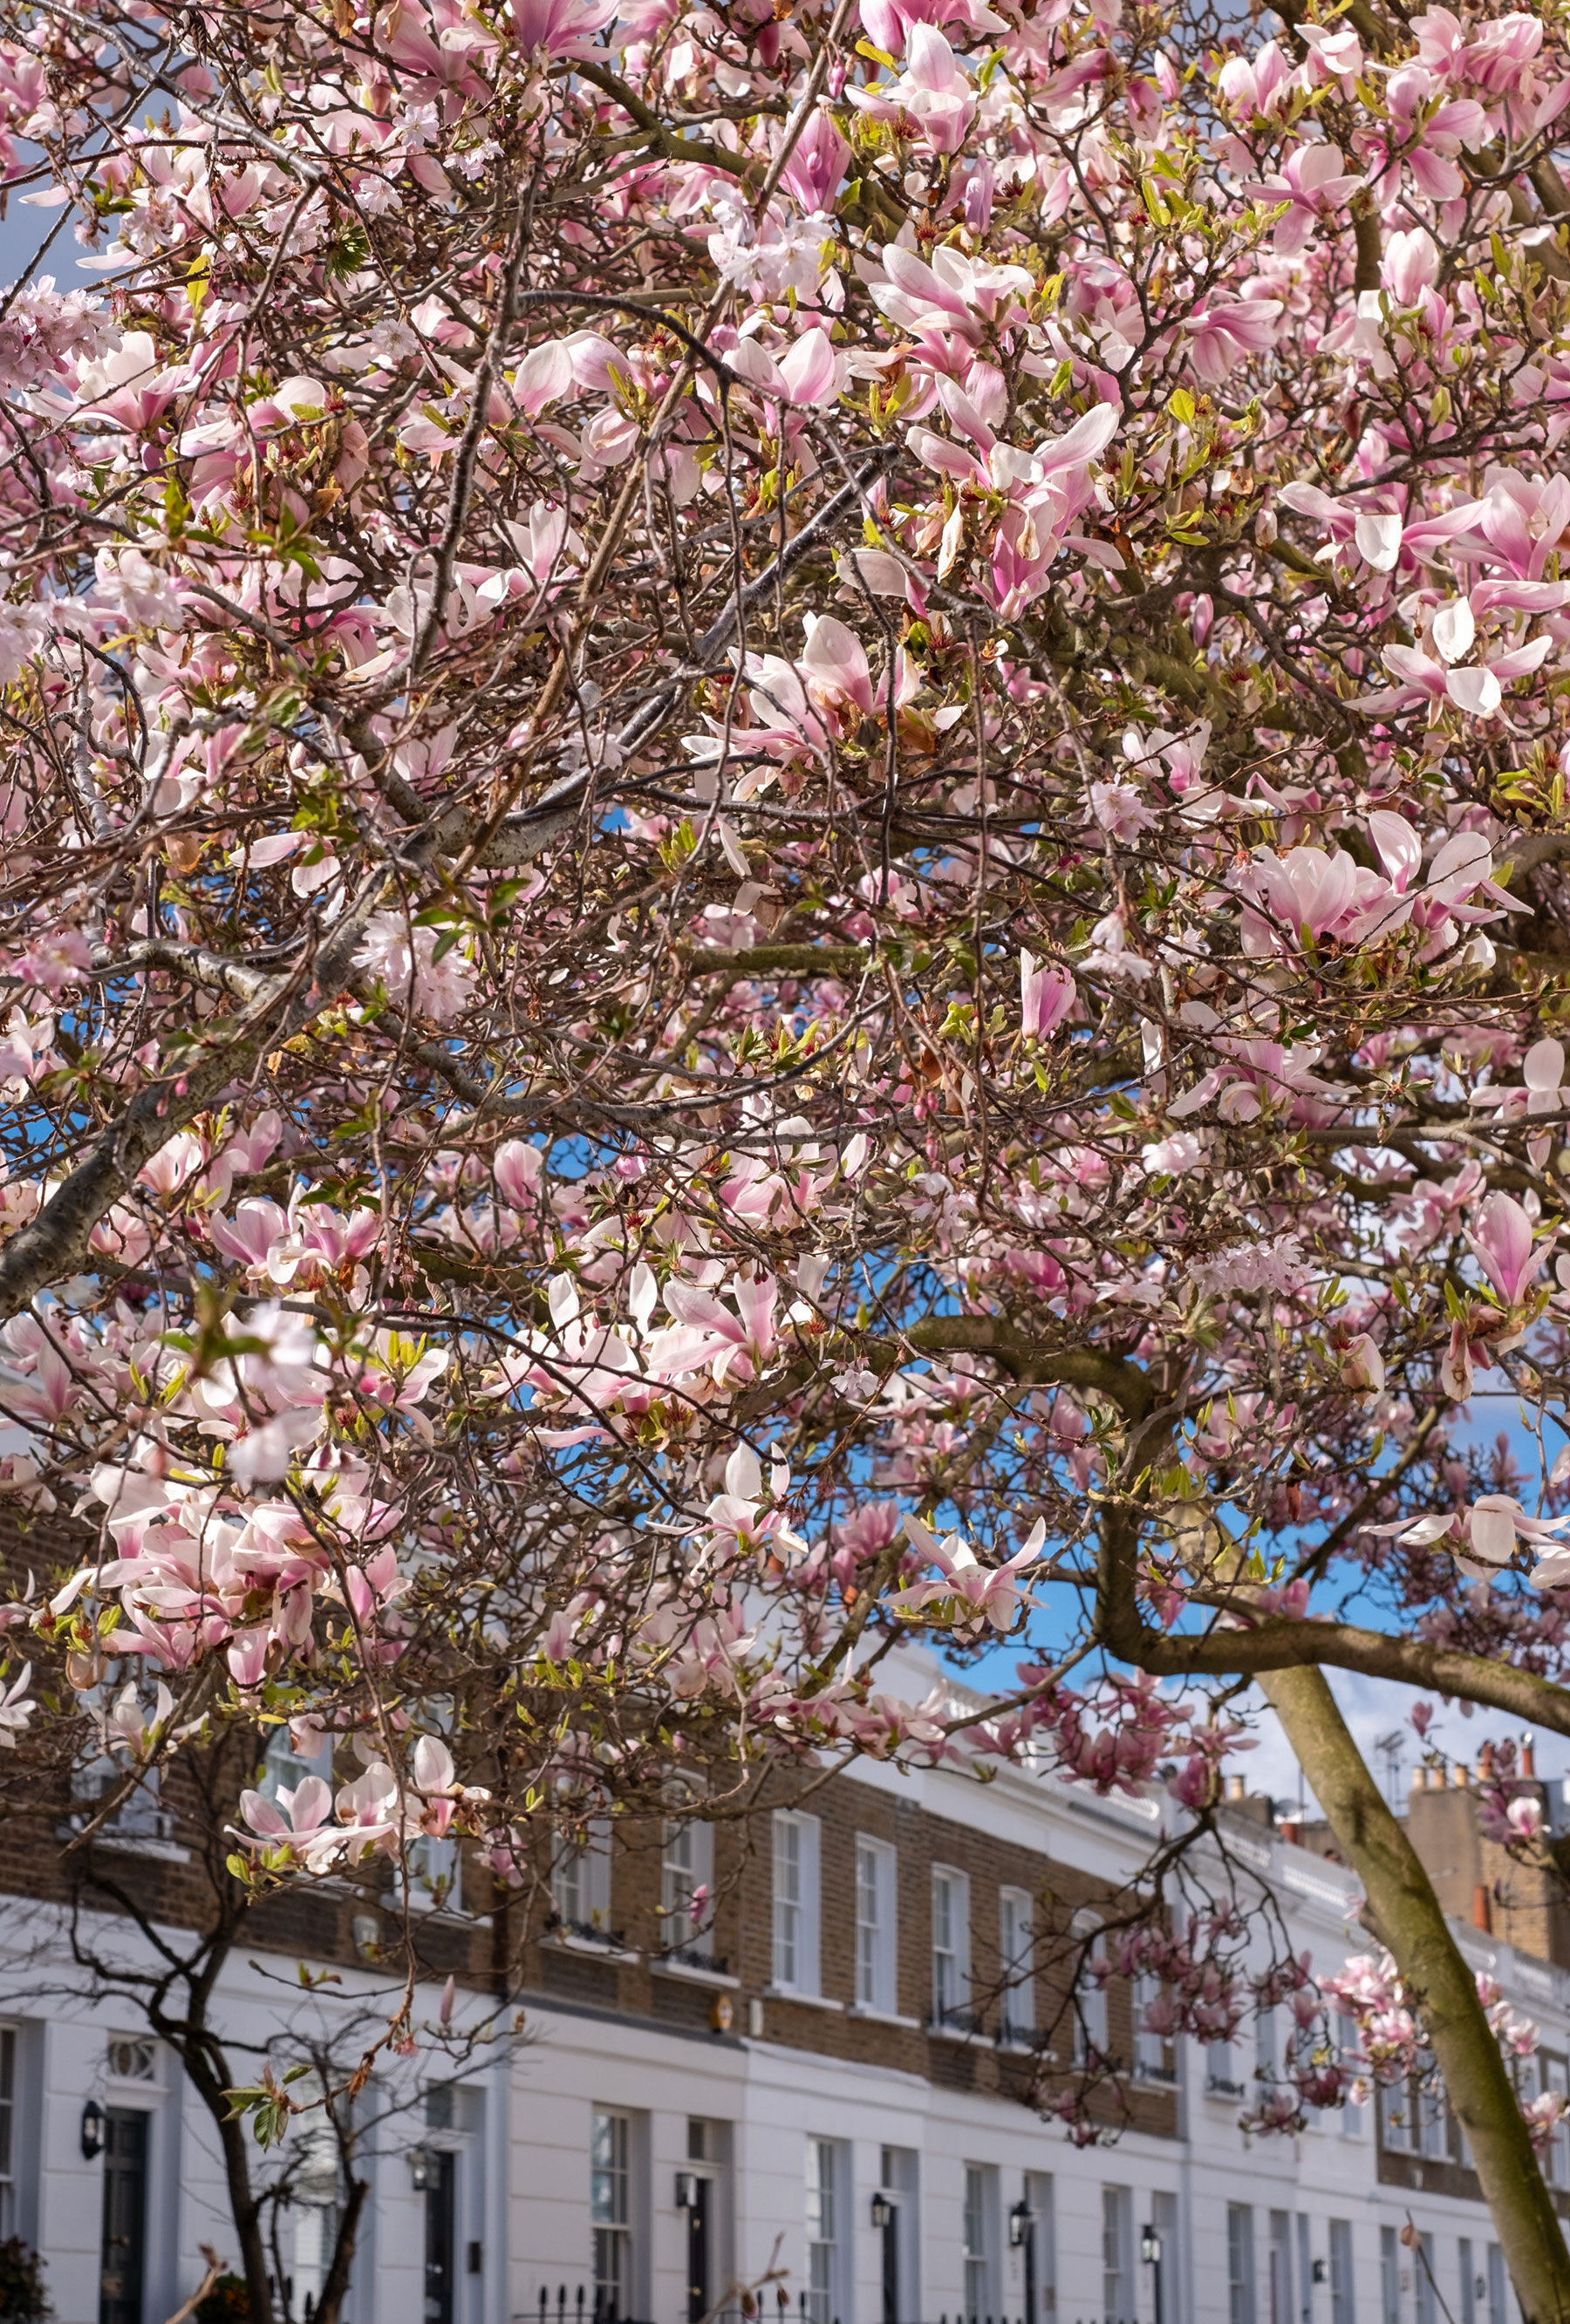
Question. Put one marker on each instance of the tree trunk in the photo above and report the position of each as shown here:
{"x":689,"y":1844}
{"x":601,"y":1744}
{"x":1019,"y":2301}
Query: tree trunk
{"x":1405,"y":1914}
{"x":211,"y":2087}
{"x":337,"y":2281}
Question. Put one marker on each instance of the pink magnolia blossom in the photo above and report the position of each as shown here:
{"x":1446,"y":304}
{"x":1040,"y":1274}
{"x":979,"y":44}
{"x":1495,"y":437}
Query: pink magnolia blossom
{"x":1315,"y":184}
{"x":1505,"y":1248}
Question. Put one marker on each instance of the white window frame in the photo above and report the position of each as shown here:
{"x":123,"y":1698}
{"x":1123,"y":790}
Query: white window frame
{"x":9,"y":2048}
{"x":580,"y":1882}
{"x":978,"y":2240}
{"x":1092,"y":2026}
{"x":1353,"y":2118}
{"x":283,"y":1768}
{"x":1016,"y":1963}
{"x":1555,"y":2079}
{"x":611,"y":2208}
{"x":1433,"y":2124}
{"x":1266,"y":2050}
{"x":1153,"y":2056}
{"x":1279,"y":2250}
{"x":1390,"y":2277}
{"x":826,"y":2218}
{"x":686,"y":1864}
{"x":950,"y":1946}
{"x":1424,"y":2301}
{"x":316,"y":2194}
{"x":877,"y":1927}
{"x":435,"y":1873}
{"x":796,"y":1902}
{"x":1117,"y":2252}
{"x":1395,"y":2127}
{"x":1242,"y":2307}
{"x":134,"y":2058}
{"x":1343,"y":2272}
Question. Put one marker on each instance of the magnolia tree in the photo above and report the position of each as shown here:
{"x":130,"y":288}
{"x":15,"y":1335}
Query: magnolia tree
{"x":772,"y":779}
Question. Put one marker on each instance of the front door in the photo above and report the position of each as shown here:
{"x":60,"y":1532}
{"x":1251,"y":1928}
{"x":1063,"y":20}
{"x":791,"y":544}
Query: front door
{"x":891,"y":2265}
{"x":125,"y":2252}
{"x":441,"y":2227}
{"x":698,"y":2263}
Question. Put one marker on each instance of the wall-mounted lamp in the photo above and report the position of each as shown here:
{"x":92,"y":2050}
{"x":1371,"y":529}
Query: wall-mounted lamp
{"x":1022,"y":2219}
{"x":1321,"y":2272}
{"x":92,"y":2129}
{"x":420,"y":2169}
{"x":687,"y":2191}
{"x":1151,"y":2245}
{"x":882,"y":2213}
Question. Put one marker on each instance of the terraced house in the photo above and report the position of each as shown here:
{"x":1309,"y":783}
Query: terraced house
{"x":825,"y":2096}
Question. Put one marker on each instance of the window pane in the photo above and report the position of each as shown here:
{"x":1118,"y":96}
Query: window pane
{"x":788,"y":1963}
{"x":7,"y":2087}
{"x":867,"y":1930}
{"x":1389,"y":2276}
{"x":609,"y":2140}
{"x":1342,"y":2308}
{"x":608,"y":2178}
{"x":820,"y":2230}
{"x":1239,"y":2264}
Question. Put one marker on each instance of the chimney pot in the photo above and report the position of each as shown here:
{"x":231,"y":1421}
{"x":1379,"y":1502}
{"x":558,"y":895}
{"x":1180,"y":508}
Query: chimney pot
{"x":1236,"y":1788}
{"x":1485,"y":1764}
{"x":1291,"y":1831}
{"x":1482,"y":1911}
{"x":1461,"y":1774}
{"x":1435,"y":1779}
{"x":1417,"y":1777}
{"x":1528,"y":1758}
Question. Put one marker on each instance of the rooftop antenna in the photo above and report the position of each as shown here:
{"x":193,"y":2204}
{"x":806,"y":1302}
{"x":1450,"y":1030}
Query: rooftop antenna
{"x":1393,"y":1748}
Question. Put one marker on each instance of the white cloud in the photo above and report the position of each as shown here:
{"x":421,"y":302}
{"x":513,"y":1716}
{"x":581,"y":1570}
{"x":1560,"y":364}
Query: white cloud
{"x":1374,"y":1708}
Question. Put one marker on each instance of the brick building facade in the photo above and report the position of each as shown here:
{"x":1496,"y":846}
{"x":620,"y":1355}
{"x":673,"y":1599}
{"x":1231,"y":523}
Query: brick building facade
{"x":822,"y":2088}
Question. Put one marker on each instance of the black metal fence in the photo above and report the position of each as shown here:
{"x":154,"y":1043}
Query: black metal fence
{"x":581,"y":2307}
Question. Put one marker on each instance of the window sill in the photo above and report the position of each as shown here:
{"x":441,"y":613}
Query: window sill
{"x":553,"y":1942}
{"x":806,"y":2000}
{"x":661,"y":1966}
{"x":1227,"y":2092}
{"x":134,"y":1844}
{"x":447,"y":1916}
{"x":862,"y":2010}
{"x":938,"y":2031}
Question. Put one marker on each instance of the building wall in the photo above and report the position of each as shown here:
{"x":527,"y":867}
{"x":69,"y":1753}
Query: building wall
{"x":607,"y":2026}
